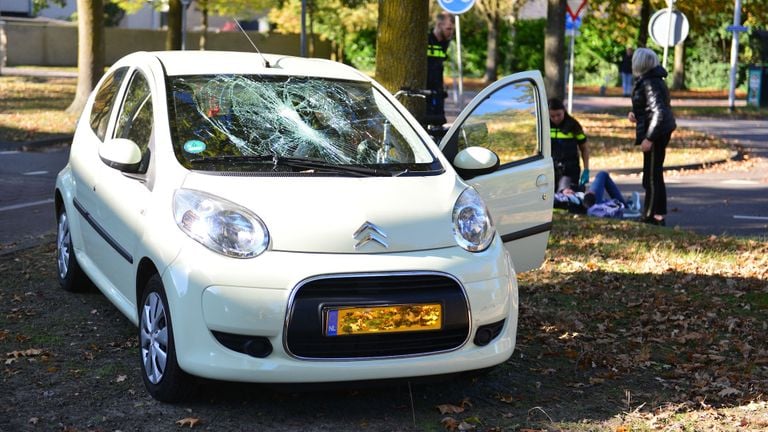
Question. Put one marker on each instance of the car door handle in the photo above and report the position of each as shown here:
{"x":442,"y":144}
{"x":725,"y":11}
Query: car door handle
{"x":542,"y":183}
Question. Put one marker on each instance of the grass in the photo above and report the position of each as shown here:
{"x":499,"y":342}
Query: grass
{"x":611,"y":141}
{"x":32,"y":108}
{"x":654,"y":304}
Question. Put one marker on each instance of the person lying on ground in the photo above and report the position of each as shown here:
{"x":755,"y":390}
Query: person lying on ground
{"x":594,"y":202}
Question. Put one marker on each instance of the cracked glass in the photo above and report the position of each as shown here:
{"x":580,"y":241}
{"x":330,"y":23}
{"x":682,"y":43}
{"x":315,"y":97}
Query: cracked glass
{"x":251,"y":123}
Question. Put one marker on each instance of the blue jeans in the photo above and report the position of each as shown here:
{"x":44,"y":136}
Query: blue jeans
{"x":602,"y":183}
{"x":626,"y":83}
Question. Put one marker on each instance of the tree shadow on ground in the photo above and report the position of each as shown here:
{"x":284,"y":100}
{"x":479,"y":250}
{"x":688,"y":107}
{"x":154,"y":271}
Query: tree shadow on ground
{"x":592,"y":347}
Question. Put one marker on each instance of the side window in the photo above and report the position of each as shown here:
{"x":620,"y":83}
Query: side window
{"x":506,"y":123}
{"x":135,"y":118}
{"x":105,"y":101}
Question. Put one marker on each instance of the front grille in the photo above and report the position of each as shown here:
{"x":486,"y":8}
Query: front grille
{"x":305,"y":337}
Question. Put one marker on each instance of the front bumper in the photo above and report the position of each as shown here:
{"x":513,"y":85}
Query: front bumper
{"x":209,"y":292}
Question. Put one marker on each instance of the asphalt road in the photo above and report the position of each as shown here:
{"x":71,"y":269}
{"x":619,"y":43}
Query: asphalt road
{"x":719,"y":201}
{"x":26,"y":195}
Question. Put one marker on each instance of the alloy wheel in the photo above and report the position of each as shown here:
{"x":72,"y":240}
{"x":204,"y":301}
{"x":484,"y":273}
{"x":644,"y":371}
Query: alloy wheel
{"x":63,"y":245}
{"x":154,"y":337}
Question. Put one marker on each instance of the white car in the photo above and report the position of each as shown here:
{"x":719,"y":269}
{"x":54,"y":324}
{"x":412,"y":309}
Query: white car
{"x":279,"y":219}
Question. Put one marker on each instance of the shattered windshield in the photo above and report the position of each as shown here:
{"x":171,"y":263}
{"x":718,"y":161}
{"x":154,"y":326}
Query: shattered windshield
{"x":251,"y":123}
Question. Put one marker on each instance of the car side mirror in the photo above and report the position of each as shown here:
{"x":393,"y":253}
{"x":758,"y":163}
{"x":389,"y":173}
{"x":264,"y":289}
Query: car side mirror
{"x":475,"y":161}
{"x":121,"y":154}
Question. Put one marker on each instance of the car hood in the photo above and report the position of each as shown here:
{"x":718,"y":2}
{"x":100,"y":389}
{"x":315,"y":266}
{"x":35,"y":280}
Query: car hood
{"x":334,"y":214}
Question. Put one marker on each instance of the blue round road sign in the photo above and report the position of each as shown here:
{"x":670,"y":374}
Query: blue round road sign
{"x":456,"y":7}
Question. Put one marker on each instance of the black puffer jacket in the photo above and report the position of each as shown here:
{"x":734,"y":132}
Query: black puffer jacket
{"x":650,"y":103}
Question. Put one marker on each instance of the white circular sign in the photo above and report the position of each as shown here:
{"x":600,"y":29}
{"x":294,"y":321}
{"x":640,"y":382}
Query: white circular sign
{"x":456,"y":7}
{"x":658,"y":27}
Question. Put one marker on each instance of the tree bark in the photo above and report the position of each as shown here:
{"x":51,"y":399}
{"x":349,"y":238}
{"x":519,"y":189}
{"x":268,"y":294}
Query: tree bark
{"x":554,"y":49}
{"x":678,"y":76}
{"x":645,"y":17}
{"x":492,"y":50}
{"x":90,"y":51}
{"x":173,"y":35}
{"x":401,"y":48}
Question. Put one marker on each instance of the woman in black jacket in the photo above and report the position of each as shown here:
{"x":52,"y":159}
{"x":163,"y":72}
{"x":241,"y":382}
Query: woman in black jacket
{"x":654,"y":124}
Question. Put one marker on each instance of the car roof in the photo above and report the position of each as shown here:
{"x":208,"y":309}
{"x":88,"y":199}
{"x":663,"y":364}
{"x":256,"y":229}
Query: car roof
{"x":232,"y":62}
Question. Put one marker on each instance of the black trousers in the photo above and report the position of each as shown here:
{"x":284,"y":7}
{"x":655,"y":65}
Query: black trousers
{"x":653,"y":178}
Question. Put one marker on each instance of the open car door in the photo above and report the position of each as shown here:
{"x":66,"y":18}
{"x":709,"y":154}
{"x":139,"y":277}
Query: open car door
{"x":511,"y":118}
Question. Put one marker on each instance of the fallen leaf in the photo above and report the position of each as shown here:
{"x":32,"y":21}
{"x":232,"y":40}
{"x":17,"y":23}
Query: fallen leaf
{"x":728,"y":392}
{"x":191,"y":421}
{"x":26,"y":353}
{"x":464,"y":426}
{"x":454,"y":409}
{"x":450,"y":423}
{"x":121,"y":378}
{"x":449,"y":409}
{"x":506,"y":398}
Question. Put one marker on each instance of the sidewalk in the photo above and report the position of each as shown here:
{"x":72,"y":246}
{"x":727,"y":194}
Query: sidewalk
{"x":42,"y":72}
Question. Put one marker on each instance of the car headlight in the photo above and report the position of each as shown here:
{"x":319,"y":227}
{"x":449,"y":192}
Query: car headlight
{"x":472,"y":224}
{"x":220,"y":225}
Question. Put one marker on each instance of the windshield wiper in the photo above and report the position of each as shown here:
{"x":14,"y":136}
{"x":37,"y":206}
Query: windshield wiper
{"x":301,"y":163}
{"x":233,"y":159}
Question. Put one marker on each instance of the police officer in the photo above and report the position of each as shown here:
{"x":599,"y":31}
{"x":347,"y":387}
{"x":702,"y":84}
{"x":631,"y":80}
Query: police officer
{"x":437,"y":46}
{"x":568,"y":141}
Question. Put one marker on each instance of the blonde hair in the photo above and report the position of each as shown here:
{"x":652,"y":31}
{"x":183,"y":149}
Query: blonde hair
{"x":643,"y":60}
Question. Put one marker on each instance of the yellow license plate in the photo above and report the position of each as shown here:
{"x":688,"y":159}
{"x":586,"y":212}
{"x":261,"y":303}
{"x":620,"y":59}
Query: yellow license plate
{"x":344,"y":321}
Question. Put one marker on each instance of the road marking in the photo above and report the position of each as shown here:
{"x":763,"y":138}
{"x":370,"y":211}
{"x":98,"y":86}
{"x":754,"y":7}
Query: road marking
{"x":8,"y":152}
{"x":751,"y":217}
{"x":31,"y":173}
{"x":740,"y":182}
{"x":25,"y":205}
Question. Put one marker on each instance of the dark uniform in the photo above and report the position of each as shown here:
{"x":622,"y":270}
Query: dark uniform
{"x":436,"y":55}
{"x":566,"y":138}
{"x":656,"y":122}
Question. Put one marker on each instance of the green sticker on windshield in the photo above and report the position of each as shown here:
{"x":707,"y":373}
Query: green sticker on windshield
{"x":194,"y":146}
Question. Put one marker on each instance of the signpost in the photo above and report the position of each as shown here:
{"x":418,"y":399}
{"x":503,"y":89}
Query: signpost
{"x":572,"y":24}
{"x":574,"y":8}
{"x":668,"y":32}
{"x":737,"y":28}
{"x":458,"y":7}
{"x":185,"y":6}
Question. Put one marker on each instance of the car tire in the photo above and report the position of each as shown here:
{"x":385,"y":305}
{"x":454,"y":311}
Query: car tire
{"x":161,"y":373}
{"x":71,"y":276}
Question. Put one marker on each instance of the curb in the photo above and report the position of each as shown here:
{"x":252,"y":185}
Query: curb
{"x":35,"y":145}
{"x":28,"y":243}
{"x":735,"y":156}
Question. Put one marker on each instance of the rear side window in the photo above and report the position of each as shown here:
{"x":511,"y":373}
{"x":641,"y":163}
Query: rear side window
{"x":104,"y":102}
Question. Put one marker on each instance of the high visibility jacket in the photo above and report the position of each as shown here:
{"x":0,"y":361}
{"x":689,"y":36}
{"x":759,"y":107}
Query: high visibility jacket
{"x":436,"y":55}
{"x":566,"y":138}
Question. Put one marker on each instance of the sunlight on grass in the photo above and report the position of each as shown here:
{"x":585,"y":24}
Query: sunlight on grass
{"x":611,"y":144}
{"x":581,"y":243}
{"x":33,"y":108}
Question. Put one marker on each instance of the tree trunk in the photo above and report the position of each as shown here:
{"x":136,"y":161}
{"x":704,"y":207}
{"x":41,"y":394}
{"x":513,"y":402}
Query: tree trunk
{"x":554,"y":49}
{"x":90,"y":51}
{"x":678,"y":76}
{"x":204,"y":31}
{"x":173,"y":35}
{"x":492,"y":51}
{"x":645,"y":17}
{"x":401,"y":48}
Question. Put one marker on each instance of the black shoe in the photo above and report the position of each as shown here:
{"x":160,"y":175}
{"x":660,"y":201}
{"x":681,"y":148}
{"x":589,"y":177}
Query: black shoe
{"x":653,"y":221}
